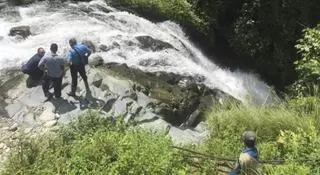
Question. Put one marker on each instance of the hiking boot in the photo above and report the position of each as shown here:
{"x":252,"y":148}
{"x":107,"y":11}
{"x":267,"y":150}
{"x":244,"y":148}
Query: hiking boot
{"x":49,"y":96}
{"x":72,"y":94}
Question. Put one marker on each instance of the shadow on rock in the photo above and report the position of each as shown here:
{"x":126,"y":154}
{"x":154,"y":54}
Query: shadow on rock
{"x":30,"y":83}
{"x":88,"y":101}
{"x":3,"y":111}
{"x":62,"y":106}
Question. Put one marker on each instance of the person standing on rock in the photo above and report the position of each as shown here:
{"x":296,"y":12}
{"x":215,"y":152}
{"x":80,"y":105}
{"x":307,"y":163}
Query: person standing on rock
{"x":53,"y":66}
{"x":78,"y":58}
{"x":248,"y":162}
{"x":31,"y":68}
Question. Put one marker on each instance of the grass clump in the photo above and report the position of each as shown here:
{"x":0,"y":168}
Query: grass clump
{"x":284,"y":133}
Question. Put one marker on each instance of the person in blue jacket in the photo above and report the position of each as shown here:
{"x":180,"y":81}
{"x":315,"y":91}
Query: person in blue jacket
{"x":31,"y":68}
{"x":248,"y":162}
{"x":76,"y":58}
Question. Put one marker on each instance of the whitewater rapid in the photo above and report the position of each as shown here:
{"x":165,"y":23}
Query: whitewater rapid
{"x":97,"y":22}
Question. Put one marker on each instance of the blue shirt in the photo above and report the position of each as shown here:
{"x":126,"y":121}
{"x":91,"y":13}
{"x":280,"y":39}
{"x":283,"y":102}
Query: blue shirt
{"x":78,"y":51}
{"x":252,"y":152}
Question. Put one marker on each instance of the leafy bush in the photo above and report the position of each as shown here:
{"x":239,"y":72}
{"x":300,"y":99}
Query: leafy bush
{"x":94,"y":145}
{"x":283,"y":133}
{"x":177,"y":10}
{"x":308,"y":66}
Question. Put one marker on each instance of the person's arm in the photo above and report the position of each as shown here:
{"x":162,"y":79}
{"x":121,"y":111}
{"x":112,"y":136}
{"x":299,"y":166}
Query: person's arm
{"x":69,"y":58}
{"x":87,"y":51}
{"x":29,"y":66}
{"x":42,"y":63}
{"x":64,"y":63}
{"x":236,"y":169}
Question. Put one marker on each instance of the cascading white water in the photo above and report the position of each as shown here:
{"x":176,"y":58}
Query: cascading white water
{"x":91,"y":21}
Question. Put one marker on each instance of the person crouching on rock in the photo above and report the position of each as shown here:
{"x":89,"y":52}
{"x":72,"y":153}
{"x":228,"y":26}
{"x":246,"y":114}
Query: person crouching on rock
{"x":53,"y":66}
{"x":31,"y":68}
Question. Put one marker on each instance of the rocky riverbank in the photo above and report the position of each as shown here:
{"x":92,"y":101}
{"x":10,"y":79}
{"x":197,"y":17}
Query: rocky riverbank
{"x":158,"y":101}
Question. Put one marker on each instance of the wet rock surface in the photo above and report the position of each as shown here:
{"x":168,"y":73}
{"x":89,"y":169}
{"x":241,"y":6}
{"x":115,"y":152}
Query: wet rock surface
{"x":156,"y":101}
{"x":149,"y":43}
{"x":23,"y":31}
{"x":115,"y":89}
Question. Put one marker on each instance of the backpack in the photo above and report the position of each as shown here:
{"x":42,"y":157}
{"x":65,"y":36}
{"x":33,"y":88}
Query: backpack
{"x":83,"y":58}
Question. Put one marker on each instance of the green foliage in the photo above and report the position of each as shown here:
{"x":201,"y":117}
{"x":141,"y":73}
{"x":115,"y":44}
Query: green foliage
{"x":284,"y":133}
{"x":307,"y":106}
{"x":176,"y":10}
{"x":94,"y":145}
{"x":308,"y":66}
{"x":267,"y":121}
{"x":293,"y":168}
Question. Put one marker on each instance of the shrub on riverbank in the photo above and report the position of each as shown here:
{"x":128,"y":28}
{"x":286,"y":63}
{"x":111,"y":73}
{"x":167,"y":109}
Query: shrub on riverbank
{"x":94,"y":145}
{"x":284,"y":133}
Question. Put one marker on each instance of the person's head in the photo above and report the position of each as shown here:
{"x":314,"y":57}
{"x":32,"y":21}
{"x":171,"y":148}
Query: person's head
{"x":72,"y":42}
{"x":41,"y":51}
{"x":54,"y":48}
{"x":249,"y":138}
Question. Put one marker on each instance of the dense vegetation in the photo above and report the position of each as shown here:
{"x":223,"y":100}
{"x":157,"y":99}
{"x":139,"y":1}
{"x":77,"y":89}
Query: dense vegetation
{"x":93,"y":144}
{"x":96,"y":145}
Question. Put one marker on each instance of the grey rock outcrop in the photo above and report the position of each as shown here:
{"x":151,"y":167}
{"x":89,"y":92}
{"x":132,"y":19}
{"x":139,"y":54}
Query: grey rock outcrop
{"x":23,"y":31}
{"x":149,"y":43}
{"x":151,"y":100}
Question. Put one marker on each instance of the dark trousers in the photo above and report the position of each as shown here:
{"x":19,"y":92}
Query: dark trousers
{"x":74,"y":69}
{"x":36,"y":75}
{"x":56,"y":85}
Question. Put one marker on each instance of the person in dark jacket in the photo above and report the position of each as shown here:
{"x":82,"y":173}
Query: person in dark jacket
{"x":31,"y":67}
{"x":53,"y":66}
{"x":248,"y":162}
{"x":77,"y":64}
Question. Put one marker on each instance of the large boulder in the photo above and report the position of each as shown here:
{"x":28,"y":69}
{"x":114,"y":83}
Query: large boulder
{"x":149,"y":43}
{"x":23,"y":31}
{"x":176,"y":102}
{"x":160,"y":101}
{"x":96,"y":60}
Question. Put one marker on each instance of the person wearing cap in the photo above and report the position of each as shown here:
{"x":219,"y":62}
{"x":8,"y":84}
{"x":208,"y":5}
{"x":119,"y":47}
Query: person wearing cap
{"x":31,"y":68}
{"x":248,"y":162}
{"x":53,"y":66}
{"x":77,"y":64}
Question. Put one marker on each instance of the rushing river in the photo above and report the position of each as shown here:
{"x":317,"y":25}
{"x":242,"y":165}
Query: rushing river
{"x":118,"y":30}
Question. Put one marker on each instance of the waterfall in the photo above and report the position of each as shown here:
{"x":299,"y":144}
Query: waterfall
{"x":118,"y":30}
